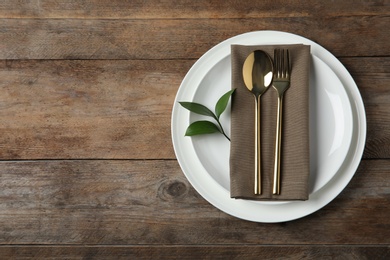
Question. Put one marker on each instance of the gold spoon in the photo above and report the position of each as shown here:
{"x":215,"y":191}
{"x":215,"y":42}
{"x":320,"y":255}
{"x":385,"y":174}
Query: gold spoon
{"x":257,"y":73}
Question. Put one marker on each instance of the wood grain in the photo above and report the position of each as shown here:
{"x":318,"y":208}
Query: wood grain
{"x":88,"y":109}
{"x":180,"y":39}
{"x":141,"y":9}
{"x":70,"y":109}
{"x":150,"y":202}
{"x":373,"y":83}
{"x":197,"y":252}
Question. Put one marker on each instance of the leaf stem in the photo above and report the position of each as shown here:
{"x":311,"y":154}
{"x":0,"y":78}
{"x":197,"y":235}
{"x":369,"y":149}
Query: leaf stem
{"x":222,"y":131}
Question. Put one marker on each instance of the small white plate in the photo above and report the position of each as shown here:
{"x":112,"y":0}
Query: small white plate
{"x":337,"y":130}
{"x":330,"y":124}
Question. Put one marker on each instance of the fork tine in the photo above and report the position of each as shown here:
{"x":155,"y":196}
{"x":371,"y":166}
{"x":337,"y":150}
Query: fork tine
{"x":280,"y":63}
{"x":275,"y":62}
{"x":283,"y":63}
{"x":287,"y":65}
{"x":283,"y":57}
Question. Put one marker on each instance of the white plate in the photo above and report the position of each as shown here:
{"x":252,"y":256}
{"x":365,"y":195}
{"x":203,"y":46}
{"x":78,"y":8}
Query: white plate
{"x":330,"y":123}
{"x":337,"y":130}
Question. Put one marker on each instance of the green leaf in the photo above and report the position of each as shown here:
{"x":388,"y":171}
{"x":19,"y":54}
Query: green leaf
{"x":198,"y":108}
{"x":202,"y":127}
{"x":222,"y":103}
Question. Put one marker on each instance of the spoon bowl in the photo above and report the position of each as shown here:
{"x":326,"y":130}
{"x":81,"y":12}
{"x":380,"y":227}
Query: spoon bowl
{"x":257,"y":72}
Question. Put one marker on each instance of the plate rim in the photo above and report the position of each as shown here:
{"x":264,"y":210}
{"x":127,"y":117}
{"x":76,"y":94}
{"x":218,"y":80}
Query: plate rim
{"x":359,"y":133}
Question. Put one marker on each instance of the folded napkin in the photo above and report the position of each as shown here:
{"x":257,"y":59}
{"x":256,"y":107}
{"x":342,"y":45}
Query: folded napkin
{"x":295,"y":161}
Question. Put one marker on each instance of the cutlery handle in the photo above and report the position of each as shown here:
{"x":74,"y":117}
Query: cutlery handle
{"x":257,"y":188}
{"x":278,"y":146}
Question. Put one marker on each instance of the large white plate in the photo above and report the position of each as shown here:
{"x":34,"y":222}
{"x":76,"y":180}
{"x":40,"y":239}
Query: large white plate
{"x":337,"y":131}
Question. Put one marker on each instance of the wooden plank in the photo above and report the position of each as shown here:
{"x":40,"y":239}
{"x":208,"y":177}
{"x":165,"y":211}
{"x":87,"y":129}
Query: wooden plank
{"x":69,"y":109}
{"x":180,"y":39}
{"x":151,"y":202}
{"x":373,"y":84}
{"x":87,"y":109}
{"x":141,"y":9}
{"x":196,"y":252}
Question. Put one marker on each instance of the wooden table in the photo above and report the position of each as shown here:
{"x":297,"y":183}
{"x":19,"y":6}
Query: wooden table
{"x":87,"y":165}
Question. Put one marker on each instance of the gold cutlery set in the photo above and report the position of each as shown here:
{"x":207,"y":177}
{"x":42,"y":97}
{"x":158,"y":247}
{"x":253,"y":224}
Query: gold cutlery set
{"x":259,"y":73}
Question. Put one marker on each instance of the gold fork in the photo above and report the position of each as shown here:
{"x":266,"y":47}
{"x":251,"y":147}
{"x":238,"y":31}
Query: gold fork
{"x":281,"y":83}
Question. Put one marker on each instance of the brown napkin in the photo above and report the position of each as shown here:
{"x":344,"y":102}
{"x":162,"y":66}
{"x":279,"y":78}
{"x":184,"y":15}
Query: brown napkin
{"x":295,"y":139}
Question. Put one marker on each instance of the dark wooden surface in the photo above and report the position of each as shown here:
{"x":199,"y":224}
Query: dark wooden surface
{"x":87,"y":168}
